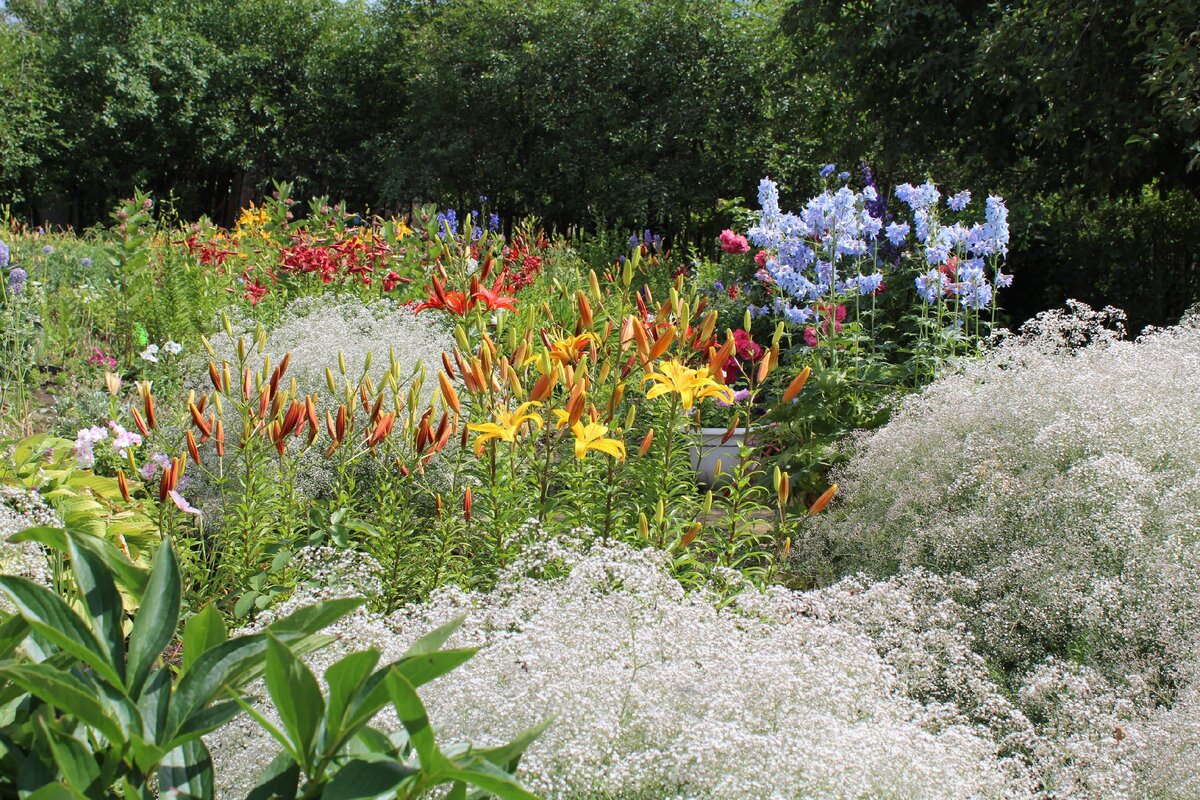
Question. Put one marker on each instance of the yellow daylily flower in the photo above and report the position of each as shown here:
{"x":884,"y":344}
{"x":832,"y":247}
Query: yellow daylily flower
{"x":690,"y":384}
{"x":507,"y":426}
{"x":591,"y":437}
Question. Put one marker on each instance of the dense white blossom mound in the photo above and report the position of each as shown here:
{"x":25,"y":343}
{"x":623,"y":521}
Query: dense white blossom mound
{"x":1061,"y":475}
{"x":655,"y":693}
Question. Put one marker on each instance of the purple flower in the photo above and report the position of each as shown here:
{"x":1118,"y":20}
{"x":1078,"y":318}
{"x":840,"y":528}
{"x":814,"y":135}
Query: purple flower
{"x":87,"y":262}
{"x":47,"y":249}
{"x":3,"y":254}
{"x":827,"y":170}
{"x":16,"y":280}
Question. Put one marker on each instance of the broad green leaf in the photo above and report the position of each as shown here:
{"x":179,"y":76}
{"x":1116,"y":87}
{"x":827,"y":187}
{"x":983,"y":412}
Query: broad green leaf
{"x":103,"y":603}
{"x":51,"y":617}
{"x":278,"y":781}
{"x":126,"y":573}
{"x":367,"y":780}
{"x":13,"y":631}
{"x":420,"y":670}
{"x":509,"y":755}
{"x":344,"y":679}
{"x":412,"y":715}
{"x":493,"y":780}
{"x":297,"y":698}
{"x":64,"y":691}
{"x":318,"y":616}
{"x":158,"y":617}
{"x":216,"y":670}
{"x":433,"y":640}
{"x":154,"y":704}
{"x":201,"y":633}
{"x":187,"y":772}
{"x":78,"y":766}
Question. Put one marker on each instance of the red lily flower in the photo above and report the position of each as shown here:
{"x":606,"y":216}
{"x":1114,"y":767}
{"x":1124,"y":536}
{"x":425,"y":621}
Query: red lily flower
{"x":494,"y":297}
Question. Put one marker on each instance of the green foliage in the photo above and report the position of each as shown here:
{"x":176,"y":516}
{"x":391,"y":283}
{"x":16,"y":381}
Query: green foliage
{"x":96,"y":713}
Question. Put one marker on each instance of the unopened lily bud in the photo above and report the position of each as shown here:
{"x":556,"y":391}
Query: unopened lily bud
{"x":208,"y":348}
{"x":644,"y":525}
{"x":706,"y":508}
{"x":627,"y":268}
{"x":241,"y":349}
{"x":112,"y":382}
{"x":226,"y":324}
{"x":747,"y":321}
{"x":796,"y":385}
{"x":647,"y":440}
{"x":823,"y":500}
{"x":342,"y":363}
{"x":467,"y":505}
{"x":690,"y":536}
{"x":660,"y":512}
{"x":775,"y":478}
{"x":460,"y":336}
{"x":785,"y":489}
{"x":123,"y":485}
{"x":630,"y":415}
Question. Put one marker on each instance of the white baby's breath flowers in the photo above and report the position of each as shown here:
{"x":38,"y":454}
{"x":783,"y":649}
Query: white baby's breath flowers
{"x":653,"y":692}
{"x":1060,"y":475}
{"x":20,"y":509}
{"x":315,"y":330}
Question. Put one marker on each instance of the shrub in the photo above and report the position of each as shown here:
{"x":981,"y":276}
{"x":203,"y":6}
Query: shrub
{"x":1058,"y":473}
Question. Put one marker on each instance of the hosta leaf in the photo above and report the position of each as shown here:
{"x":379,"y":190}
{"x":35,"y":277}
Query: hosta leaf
{"x":318,"y":616}
{"x":412,"y":715}
{"x":433,"y":640}
{"x":278,"y":781}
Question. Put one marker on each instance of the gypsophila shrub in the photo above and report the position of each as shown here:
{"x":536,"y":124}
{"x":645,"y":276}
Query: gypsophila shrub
{"x":317,"y":330}
{"x":1058,"y":474}
{"x":655,"y":692}
{"x":21,"y":509}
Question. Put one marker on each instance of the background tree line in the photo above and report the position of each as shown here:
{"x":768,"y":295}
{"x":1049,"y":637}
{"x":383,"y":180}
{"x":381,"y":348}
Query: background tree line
{"x":626,"y":113}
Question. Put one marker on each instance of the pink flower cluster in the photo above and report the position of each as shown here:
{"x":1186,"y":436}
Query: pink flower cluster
{"x":99,"y":359}
{"x":734,"y":243}
{"x":810,"y":333}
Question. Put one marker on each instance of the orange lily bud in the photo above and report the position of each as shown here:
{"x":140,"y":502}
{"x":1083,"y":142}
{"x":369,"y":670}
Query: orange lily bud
{"x":220,"y":437}
{"x":467,"y":505}
{"x":310,"y":411}
{"x":123,"y":485}
{"x":585,"y":309}
{"x":785,"y":489}
{"x":823,"y":500}
{"x":341,"y":424}
{"x":448,"y":393}
{"x":137,"y":420}
{"x":382,"y":428}
{"x":646,"y":441}
{"x":214,"y":376}
{"x":690,"y":536}
{"x":149,"y":398}
{"x":662,"y":344}
{"x":732,"y":427}
{"x":446,"y":365}
{"x":193,"y":450}
{"x":796,"y":385}
{"x":199,"y":420}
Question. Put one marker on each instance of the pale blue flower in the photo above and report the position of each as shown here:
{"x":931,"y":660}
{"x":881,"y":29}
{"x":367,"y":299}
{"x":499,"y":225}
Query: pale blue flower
{"x":897,"y":232}
{"x":959,"y":201}
{"x":828,"y":170}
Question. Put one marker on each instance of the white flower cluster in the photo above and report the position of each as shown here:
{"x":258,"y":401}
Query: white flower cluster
{"x":656,"y":693}
{"x":316,"y":329}
{"x":1060,"y":475}
{"x":20,"y":509}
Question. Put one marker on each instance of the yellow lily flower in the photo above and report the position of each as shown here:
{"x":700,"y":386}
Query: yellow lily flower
{"x":507,"y":426}
{"x":690,"y":384}
{"x":568,"y":350}
{"x":591,"y":437}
